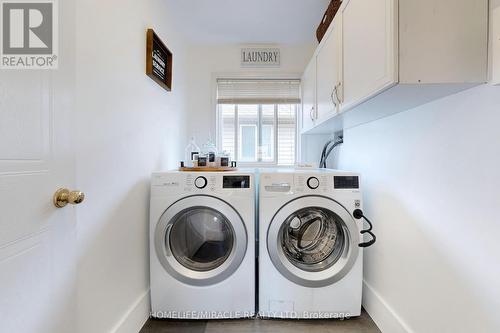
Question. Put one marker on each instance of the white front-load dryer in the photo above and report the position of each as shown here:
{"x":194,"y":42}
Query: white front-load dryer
{"x":310,"y":262}
{"x":202,"y":245}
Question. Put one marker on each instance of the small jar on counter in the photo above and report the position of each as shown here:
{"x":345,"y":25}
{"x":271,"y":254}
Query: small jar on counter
{"x":211,"y":160}
{"x":224,"y":161}
{"x":202,"y":161}
{"x":194,"y":160}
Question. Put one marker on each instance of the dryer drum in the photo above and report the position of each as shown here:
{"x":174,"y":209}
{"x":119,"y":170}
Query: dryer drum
{"x":201,"y":238}
{"x":312,"y":238}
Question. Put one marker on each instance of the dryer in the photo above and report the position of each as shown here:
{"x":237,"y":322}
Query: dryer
{"x":310,"y":262}
{"x":202,"y":247}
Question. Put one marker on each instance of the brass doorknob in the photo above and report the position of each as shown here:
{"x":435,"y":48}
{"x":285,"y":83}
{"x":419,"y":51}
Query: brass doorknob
{"x":63,"y":196}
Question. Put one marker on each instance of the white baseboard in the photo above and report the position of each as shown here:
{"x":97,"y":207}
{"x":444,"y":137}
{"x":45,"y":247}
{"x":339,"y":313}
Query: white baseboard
{"x":135,"y":317}
{"x":382,"y":314}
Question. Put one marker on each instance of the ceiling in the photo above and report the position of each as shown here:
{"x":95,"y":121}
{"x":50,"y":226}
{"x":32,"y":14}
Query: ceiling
{"x":248,"y":21}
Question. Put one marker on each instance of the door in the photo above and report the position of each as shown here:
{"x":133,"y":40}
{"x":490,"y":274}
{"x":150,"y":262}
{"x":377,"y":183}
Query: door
{"x":200,"y":240}
{"x":309,"y":95}
{"x":328,"y":63}
{"x":313,"y":241}
{"x":369,"y":38}
{"x":37,"y":240}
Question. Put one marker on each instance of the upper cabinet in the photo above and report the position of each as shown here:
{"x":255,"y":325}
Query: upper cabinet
{"x":329,"y":72}
{"x":369,"y":48}
{"x":380,"y":57}
{"x":309,"y":96}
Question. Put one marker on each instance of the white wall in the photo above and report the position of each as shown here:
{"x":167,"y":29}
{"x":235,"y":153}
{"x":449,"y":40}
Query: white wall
{"x":430,"y":178}
{"x":128,"y":126}
{"x":431,"y":187}
{"x":206,"y":62}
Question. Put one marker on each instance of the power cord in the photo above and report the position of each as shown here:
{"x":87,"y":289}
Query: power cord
{"x":327,"y":151}
{"x":358,"y":214}
{"x":323,"y":152}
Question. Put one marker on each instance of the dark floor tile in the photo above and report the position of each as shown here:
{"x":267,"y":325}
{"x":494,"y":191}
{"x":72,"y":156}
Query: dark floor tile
{"x":362,"y":324}
{"x":174,"y":326}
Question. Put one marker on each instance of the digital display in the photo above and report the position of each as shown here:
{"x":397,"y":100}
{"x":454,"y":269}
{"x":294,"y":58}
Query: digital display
{"x":346,"y":182}
{"x":236,"y":182}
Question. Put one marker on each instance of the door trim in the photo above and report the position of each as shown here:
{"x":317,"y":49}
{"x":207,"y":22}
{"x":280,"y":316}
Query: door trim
{"x":184,"y":274}
{"x":329,"y":275}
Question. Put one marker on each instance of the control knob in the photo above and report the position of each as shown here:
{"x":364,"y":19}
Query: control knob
{"x":200,"y":182}
{"x":313,"y":183}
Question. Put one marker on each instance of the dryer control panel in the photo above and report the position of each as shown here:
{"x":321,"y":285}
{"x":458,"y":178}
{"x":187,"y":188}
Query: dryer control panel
{"x":236,"y":181}
{"x":200,"y":182}
{"x":175,"y":183}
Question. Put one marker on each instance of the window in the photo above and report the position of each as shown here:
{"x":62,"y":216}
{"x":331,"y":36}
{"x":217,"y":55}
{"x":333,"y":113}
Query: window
{"x":257,"y":120}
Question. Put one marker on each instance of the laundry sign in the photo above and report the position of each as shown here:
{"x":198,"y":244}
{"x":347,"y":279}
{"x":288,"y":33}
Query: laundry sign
{"x":260,"y":57}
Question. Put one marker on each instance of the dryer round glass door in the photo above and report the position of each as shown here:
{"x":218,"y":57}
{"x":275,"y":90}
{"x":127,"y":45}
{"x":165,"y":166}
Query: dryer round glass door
{"x":200,"y":240}
{"x":313,"y":241}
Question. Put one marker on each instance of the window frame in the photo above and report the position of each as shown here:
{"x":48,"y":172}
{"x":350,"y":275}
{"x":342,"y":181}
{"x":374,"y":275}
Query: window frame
{"x":240,"y":142}
{"x":258,"y":76}
{"x":258,"y":139}
{"x":274,"y":137}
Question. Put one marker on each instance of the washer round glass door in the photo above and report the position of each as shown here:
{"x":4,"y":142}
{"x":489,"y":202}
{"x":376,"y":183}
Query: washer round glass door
{"x":313,"y":241}
{"x":200,"y":240}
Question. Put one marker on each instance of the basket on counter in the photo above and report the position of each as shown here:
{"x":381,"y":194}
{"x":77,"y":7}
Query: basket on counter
{"x":332,"y":9}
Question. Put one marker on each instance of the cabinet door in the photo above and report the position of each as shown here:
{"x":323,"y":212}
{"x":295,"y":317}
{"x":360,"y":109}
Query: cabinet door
{"x":369,"y":38}
{"x":328,"y":65}
{"x":309,"y":95}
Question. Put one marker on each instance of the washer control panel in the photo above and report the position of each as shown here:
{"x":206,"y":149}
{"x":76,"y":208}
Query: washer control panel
{"x":346,"y":182}
{"x":316,"y":183}
{"x":275,"y":184}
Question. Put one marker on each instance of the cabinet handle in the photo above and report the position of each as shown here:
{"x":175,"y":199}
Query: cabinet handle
{"x":337,"y":92}
{"x":334,"y":92}
{"x":311,"y":113}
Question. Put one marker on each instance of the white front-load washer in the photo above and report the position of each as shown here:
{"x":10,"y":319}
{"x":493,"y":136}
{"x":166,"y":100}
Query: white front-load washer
{"x":202,"y":247}
{"x":310,"y":262}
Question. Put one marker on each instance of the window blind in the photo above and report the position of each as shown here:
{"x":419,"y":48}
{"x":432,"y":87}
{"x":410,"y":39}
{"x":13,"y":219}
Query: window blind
{"x":253,"y":91}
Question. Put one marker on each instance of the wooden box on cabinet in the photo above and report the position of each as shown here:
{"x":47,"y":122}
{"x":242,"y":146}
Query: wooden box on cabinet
{"x":329,"y":72}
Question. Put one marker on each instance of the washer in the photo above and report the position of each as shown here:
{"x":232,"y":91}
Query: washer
{"x":310,"y":264}
{"x":202,"y":252}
